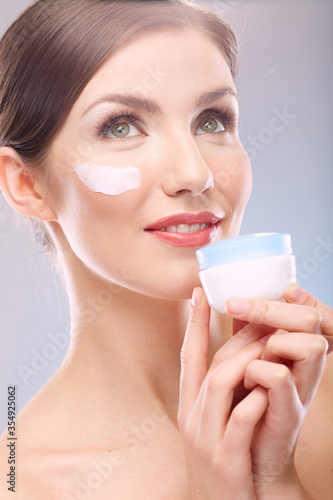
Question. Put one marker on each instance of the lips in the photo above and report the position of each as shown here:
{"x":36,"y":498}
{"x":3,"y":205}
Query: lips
{"x":186,"y":229}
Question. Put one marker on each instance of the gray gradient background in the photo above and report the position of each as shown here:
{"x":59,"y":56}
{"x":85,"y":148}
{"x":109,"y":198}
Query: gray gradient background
{"x":285,"y":62}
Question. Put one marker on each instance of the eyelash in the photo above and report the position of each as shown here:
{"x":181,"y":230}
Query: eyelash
{"x":228,"y":117}
{"x":112,"y":119}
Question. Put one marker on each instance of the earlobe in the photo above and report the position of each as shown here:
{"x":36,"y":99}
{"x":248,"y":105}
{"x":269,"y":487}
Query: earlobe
{"x":20,"y":188}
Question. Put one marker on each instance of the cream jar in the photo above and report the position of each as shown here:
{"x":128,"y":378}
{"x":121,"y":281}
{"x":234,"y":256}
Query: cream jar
{"x":258,"y":265}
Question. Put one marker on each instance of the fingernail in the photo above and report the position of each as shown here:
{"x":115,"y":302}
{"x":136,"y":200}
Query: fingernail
{"x":297,"y":294}
{"x":237,"y":306}
{"x":196,"y":297}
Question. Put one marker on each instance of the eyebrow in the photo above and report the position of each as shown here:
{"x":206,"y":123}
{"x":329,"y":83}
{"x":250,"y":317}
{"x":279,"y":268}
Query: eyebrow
{"x":151,"y":107}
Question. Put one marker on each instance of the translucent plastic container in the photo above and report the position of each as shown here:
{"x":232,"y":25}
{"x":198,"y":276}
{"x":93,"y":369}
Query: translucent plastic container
{"x":258,"y":265}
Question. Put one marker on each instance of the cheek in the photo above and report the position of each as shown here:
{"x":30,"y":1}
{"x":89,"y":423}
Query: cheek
{"x":94,"y":206}
{"x":243,"y":179}
{"x":96,"y":230}
{"x":233,"y":178}
{"x":111,"y":181}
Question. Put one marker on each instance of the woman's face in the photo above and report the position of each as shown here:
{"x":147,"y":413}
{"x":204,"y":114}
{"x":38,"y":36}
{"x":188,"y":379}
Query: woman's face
{"x":181,"y":133}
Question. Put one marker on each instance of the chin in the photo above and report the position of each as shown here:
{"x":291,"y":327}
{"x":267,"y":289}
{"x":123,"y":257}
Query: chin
{"x":173,"y":289}
{"x":159,"y":278}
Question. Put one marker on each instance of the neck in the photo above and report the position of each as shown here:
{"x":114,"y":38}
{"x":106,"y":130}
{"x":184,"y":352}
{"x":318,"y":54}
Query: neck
{"x":126,"y":340}
{"x":126,"y":345}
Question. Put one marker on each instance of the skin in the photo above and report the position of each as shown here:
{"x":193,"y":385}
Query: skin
{"x":112,"y":395}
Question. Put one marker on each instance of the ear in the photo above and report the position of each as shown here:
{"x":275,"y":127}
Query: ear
{"x":21,"y":187}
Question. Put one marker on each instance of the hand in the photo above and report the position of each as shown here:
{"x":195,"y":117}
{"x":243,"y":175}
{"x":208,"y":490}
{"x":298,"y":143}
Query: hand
{"x":217,"y":444}
{"x":299,"y":356}
{"x":294,"y":294}
{"x":226,"y":437}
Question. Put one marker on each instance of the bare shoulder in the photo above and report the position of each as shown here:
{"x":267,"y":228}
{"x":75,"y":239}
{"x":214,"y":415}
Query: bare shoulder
{"x":46,"y":462}
{"x":47,"y":454}
{"x":10,"y":455}
{"x":59,"y":458}
{"x":25,"y":455}
{"x":314,"y":454}
{"x":39,"y":473}
{"x":16,"y":477}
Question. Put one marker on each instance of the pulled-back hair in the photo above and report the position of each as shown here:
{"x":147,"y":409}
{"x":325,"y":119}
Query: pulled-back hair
{"x":49,"y":54}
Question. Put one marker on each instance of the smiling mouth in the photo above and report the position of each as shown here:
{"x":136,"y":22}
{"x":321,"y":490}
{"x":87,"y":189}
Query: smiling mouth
{"x":187,"y":229}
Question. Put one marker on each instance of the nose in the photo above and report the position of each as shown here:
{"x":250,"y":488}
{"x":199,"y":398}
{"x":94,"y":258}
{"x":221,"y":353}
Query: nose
{"x":187,"y":171}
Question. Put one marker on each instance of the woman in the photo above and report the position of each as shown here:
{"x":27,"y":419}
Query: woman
{"x":118,"y":125}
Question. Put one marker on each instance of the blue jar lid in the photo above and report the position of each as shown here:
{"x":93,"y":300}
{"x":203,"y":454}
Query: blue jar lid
{"x":249,"y":246}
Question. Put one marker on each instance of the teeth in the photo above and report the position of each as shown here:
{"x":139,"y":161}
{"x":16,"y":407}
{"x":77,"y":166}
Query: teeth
{"x":195,"y":227}
{"x":185,"y":228}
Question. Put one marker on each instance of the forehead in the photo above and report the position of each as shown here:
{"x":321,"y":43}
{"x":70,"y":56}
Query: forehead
{"x":171,"y":64}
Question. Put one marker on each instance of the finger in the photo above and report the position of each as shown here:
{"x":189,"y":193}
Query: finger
{"x":249,"y":333}
{"x":308,"y":354}
{"x":276,"y":314}
{"x":297,"y":295}
{"x":285,"y":410}
{"x":239,"y":432}
{"x":194,"y":354}
{"x":216,"y":397}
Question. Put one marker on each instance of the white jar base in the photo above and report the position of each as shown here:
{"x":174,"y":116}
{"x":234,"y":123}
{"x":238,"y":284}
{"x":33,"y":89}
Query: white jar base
{"x":264,"y":278}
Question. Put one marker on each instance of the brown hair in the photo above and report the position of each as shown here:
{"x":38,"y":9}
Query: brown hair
{"x":49,"y":54}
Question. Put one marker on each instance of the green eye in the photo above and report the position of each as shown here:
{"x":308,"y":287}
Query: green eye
{"x":210,"y":125}
{"x":122,"y":129}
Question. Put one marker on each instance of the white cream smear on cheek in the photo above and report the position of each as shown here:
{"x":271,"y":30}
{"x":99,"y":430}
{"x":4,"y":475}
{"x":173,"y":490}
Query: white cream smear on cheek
{"x":108,"y":180}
